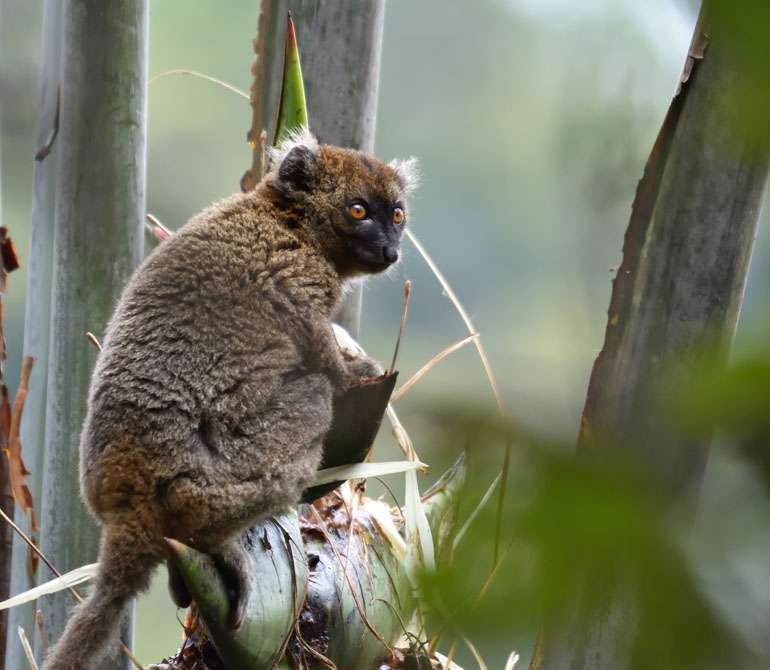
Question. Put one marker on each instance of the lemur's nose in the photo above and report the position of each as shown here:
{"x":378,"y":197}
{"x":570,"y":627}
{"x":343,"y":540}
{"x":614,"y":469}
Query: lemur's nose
{"x":390,"y":254}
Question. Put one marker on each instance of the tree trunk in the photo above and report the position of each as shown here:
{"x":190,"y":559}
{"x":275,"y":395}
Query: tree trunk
{"x":37,"y":313}
{"x":340,"y":43}
{"x":99,"y":213}
{"x":680,"y":285}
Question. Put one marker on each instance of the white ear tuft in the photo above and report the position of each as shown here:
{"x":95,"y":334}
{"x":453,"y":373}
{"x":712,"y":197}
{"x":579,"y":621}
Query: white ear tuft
{"x":298,"y":137}
{"x":408,"y":171}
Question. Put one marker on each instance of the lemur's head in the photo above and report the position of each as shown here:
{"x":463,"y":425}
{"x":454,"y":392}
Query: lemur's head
{"x":352,"y":203}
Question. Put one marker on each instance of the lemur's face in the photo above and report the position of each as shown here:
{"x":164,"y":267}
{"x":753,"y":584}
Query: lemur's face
{"x":373,"y":230}
{"x":354,"y":203}
{"x":371,"y":210}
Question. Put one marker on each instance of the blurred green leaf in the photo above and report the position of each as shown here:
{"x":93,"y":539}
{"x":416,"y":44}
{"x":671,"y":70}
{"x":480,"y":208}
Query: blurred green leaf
{"x":579,"y":527}
{"x":744,"y":28}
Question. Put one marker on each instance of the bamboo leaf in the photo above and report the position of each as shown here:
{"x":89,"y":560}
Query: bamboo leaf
{"x":292,"y":110}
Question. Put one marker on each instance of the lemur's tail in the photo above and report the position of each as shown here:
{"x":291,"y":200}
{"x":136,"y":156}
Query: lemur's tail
{"x":126,"y":562}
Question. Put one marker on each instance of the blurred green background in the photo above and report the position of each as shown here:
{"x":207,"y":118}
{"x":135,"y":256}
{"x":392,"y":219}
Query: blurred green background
{"x":532,"y":120}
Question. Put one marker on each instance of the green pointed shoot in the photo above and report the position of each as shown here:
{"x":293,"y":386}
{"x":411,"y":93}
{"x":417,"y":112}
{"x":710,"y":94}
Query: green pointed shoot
{"x":292,"y":110}
{"x":280,"y":581}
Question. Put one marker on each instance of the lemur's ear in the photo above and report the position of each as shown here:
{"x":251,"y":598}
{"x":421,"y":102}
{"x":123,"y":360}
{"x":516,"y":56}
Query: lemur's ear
{"x":296,"y":159}
{"x":408,"y":171}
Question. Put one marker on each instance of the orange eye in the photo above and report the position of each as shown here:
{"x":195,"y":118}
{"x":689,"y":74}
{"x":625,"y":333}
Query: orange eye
{"x":398,"y":215}
{"x":357,"y":211}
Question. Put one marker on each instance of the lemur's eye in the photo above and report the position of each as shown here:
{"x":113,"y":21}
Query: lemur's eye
{"x":357,"y":211}
{"x":398,"y":216}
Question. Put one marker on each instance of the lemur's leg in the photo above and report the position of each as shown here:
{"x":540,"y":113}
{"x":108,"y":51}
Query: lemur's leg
{"x":249,"y":470}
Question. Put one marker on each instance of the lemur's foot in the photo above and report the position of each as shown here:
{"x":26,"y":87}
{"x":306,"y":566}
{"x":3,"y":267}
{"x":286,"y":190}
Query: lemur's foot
{"x":232,"y":562}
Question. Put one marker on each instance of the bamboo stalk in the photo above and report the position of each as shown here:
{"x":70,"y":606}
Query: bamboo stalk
{"x":99,"y":213}
{"x":331,"y":67}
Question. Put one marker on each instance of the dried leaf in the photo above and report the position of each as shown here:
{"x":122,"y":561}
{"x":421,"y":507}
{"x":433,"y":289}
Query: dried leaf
{"x":27,"y":649}
{"x":5,"y":414}
{"x":364,"y":470}
{"x":8,"y":251}
{"x":17,"y":471}
{"x":66,"y":581}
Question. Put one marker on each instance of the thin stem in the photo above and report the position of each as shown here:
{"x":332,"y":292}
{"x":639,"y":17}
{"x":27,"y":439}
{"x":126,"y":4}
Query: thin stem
{"x":404,"y":312}
{"x":425,"y":369}
{"x":490,"y":376}
{"x":484,"y":500}
{"x":476,"y":655}
{"x":94,"y":340}
{"x":464,"y":316}
{"x":27,"y":649}
{"x":200,"y":75}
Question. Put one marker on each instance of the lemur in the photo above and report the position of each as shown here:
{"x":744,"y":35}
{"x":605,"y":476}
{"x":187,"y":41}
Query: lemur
{"x":211,"y":398}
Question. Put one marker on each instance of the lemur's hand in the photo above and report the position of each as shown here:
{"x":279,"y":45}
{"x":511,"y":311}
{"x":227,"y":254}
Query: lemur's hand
{"x":358,"y":364}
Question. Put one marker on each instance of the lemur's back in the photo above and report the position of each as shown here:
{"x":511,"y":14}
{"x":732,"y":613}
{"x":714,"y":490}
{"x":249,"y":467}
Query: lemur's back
{"x":195,"y":347}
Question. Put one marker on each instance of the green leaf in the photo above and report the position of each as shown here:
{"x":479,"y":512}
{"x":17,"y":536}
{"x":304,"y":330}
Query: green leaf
{"x":292,"y":111}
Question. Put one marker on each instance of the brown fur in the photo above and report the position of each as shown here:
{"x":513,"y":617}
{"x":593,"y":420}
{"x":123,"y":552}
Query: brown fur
{"x":209,"y":403}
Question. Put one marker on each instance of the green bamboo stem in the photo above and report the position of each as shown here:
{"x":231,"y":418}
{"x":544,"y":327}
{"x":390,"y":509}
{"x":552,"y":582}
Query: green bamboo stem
{"x":37,"y":313}
{"x":341,"y":43}
{"x":99,"y":213}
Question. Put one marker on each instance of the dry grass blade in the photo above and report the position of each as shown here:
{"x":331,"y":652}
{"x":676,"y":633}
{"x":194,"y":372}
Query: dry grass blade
{"x":155,"y":228}
{"x":447,"y":660}
{"x":27,"y":649}
{"x":365,"y":470}
{"x":425,"y":369}
{"x":513,"y":659}
{"x":487,"y":369}
{"x":359,"y":606}
{"x":404,"y":313}
{"x":400,"y":435}
{"x":305,"y":646}
{"x":200,"y":75}
{"x":476,"y":655}
{"x":417,"y":526}
{"x":463,"y":315}
{"x":43,"y":632}
{"x":35,"y":548}
{"x":66,"y":581}
{"x":417,"y":521}
{"x":94,"y":340}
